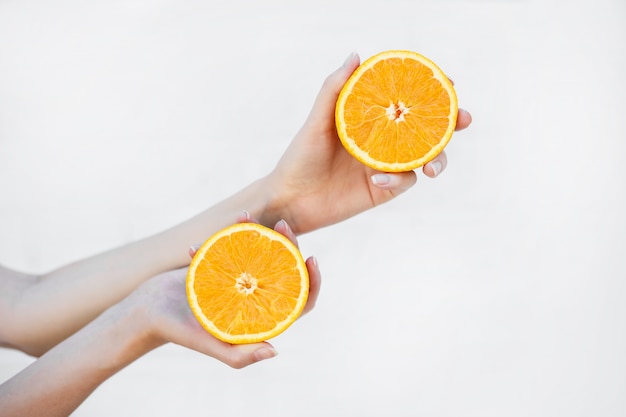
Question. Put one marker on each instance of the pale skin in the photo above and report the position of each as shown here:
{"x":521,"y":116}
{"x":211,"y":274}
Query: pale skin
{"x":89,"y":319}
{"x":154,"y":314}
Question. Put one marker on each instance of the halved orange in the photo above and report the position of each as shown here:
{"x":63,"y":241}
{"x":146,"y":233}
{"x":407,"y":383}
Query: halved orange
{"x":396,"y":112}
{"x":247,"y":283}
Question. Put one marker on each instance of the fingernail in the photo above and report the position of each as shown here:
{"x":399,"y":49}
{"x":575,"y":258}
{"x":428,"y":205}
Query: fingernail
{"x":313,"y":261}
{"x":381,"y":179}
{"x":193,"y":249}
{"x":246,"y":215}
{"x":348,"y":59}
{"x":436,"y":167}
{"x":265,"y":353}
{"x":284,"y":224}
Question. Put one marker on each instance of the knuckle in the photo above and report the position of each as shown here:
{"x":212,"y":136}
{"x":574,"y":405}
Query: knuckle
{"x":237,"y":362}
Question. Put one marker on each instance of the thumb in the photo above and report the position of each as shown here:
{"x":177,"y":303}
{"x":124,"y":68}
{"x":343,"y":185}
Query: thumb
{"x":324,"y":106}
{"x":240,"y":356}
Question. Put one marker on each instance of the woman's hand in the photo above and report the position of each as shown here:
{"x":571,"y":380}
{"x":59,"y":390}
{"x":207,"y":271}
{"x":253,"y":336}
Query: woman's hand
{"x":155,"y":313}
{"x":162,"y":304}
{"x":317,"y":183}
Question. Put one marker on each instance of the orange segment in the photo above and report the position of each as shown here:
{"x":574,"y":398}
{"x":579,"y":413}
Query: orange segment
{"x":247,"y":283}
{"x":396,"y":112}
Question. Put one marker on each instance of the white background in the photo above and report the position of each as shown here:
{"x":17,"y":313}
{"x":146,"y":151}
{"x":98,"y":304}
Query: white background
{"x":497,"y":289}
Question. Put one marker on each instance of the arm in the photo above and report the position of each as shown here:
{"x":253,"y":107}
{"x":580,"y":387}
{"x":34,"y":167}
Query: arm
{"x":315,"y":184}
{"x":60,"y":380}
{"x":37,"y":312}
{"x":155,"y":313}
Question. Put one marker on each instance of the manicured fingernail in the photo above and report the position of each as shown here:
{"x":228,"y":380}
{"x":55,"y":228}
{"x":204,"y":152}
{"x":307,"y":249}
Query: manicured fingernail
{"x":284,"y":224}
{"x":193,"y":249}
{"x":436,"y":167}
{"x":381,"y":179}
{"x":348,"y":59}
{"x":265,"y":353}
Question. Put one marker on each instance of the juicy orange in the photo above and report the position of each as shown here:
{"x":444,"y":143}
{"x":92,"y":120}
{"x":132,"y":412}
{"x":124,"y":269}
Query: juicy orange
{"x":247,"y":283}
{"x":396,"y":112}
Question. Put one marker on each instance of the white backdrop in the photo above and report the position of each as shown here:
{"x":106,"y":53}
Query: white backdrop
{"x":495,"y":290}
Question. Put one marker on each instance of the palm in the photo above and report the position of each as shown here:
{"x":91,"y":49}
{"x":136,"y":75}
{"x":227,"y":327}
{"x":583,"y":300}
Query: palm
{"x":322,"y":182}
{"x":319,"y":182}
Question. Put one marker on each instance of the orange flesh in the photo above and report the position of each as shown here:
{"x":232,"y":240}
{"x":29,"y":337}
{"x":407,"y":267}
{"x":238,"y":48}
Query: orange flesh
{"x":394,"y":119}
{"x":247,"y":286}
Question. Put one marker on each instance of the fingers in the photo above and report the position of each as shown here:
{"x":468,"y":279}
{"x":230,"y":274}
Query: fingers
{"x":283,"y":228}
{"x":235,"y":356}
{"x":315,"y":277}
{"x":398,"y":182}
{"x":193,"y":249}
{"x":463,"y":119}
{"x":324,"y":107}
{"x":439,"y":163}
{"x":245,"y":217}
{"x":315,"y":282}
{"x":402,"y":181}
{"x":436,"y":166}
{"x":240,"y":356}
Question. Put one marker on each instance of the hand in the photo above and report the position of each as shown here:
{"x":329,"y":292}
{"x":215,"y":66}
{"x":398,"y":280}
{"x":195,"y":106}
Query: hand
{"x":163,"y":306}
{"x":317,"y":183}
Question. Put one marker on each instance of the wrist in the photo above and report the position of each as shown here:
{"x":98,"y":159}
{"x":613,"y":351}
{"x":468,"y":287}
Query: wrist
{"x":272,"y":204}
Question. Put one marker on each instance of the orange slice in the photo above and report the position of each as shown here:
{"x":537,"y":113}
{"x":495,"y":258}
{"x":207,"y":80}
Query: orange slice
{"x":247,"y":283}
{"x":396,"y":112}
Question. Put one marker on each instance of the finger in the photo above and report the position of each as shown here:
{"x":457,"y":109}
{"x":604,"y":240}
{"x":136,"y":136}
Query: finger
{"x":245,"y":217}
{"x":398,"y":182}
{"x":315,"y":281}
{"x":283,"y":228}
{"x":324,"y":106}
{"x":436,"y":166}
{"x":193,"y":249}
{"x":463,"y":119}
{"x":193,"y":336}
{"x":240,"y":356}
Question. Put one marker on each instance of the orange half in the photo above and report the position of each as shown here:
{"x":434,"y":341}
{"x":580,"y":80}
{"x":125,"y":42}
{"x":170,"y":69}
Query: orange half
{"x":247,"y":283}
{"x":396,"y":112}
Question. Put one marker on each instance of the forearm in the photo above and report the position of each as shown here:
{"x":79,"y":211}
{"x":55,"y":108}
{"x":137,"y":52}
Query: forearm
{"x":63,"y":301}
{"x":256,"y":198}
{"x":60,"y":380}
